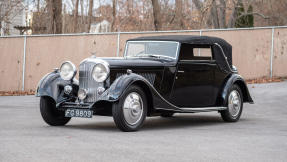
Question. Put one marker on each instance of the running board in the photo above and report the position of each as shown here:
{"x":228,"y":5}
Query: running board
{"x":202,"y":109}
{"x":195,"y":110}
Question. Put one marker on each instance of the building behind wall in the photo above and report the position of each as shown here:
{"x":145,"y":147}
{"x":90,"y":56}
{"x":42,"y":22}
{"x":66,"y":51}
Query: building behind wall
{"x":12,"y":14}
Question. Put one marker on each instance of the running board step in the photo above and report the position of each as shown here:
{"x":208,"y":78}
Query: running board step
{"x":202,"y":109}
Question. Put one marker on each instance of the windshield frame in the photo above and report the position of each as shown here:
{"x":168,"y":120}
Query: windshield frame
{"x":176,"y":55}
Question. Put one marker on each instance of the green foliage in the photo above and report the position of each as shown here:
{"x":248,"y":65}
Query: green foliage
{"x":246,"y":20}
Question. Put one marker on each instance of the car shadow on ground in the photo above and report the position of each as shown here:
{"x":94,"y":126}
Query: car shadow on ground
{"x":157,"y":123}
{"x":181,"y":121}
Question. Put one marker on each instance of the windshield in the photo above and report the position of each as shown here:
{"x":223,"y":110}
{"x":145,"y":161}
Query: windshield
{"x":156,"y":49}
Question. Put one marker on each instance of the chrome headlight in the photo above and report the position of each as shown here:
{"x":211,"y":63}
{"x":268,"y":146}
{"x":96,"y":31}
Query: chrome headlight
{"x":68,"y":70}
{"x":100,"y":72}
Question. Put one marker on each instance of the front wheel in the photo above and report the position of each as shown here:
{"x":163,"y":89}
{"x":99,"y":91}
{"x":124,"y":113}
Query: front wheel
{"x":130,"y":111}
{"x":50,"y":114}
{"x":234,"y":105}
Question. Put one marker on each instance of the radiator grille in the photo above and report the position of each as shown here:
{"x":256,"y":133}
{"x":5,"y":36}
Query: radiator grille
{"x":87,"y":82}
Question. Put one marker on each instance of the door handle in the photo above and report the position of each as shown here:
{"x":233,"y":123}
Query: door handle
{"x":180,"y":71}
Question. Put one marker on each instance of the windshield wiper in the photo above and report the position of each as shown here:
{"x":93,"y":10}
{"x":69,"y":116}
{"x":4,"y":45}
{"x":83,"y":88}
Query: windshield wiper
{"x":155,"y":56}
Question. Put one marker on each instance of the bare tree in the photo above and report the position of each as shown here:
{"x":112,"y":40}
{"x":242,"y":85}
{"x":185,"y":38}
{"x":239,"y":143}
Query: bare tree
{"x":50,"y":23}
{"x":233,"y":16}
{"x":38,"y":5}
{"x":114,"y":15}
{"x":213,"y":15}
{"x":138,"y":15}
{"x":222,"y":14}
{"x":156,"y":14}
{"x":130,"y":6}
{"x":178,"y":13}
{"x":54,"y":7}
{"x":90,"y":14}
{"x":58,"y":16}
{"x":76,"y":14}
{"x":82,"y":10}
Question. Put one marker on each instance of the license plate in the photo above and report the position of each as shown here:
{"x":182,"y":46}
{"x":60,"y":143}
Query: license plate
{"x":82,"y":113}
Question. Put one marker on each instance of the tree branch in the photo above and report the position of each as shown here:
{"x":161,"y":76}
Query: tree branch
{"x":253,"y":13}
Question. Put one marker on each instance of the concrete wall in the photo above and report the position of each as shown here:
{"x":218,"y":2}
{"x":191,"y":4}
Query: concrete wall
{"x":11,"y":63}
{"x":280,"y":53}
{"x":45,"y":53}
{"x":251,"y":50}
{"x":251,"y":53}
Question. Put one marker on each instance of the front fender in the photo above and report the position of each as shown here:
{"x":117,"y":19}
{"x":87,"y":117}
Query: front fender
{"x":118,"y":87}
{"x":52,"y":85}
{"x":236,"y":79}
{"x":122,"y":83}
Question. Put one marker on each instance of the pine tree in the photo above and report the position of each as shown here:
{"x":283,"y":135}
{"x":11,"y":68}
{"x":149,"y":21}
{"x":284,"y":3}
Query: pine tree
{"x":244,"y":21}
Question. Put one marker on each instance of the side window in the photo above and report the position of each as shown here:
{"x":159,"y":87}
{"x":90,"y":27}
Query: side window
{"x":195,"y":52}
{"x":202,"y":53}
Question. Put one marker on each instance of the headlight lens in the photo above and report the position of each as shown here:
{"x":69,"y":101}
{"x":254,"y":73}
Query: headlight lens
{"x":100,"y":72}
{"x":67,"y":70}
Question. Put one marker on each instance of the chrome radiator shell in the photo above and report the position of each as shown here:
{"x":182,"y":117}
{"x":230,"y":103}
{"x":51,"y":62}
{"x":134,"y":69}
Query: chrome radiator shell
{"x":87,"y":82}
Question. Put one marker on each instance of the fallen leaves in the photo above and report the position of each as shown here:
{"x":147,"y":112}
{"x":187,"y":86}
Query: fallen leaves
{"x":17,"y":93}
{"x":265,"y":80}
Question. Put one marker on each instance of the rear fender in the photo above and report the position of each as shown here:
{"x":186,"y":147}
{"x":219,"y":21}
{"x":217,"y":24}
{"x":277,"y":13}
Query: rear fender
{"x":235,"y":79}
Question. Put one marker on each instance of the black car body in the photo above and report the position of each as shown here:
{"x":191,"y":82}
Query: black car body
{"x":168,"y":74}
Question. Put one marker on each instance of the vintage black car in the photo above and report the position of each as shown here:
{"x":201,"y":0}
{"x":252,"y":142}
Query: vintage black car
{"x":158,"y":75}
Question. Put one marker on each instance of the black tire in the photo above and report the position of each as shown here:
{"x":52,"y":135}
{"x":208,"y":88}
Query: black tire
{"x":118,"y":112}
{"x":226,"y":114}
{"x":166,"y":114}
{"x":50,"y":114}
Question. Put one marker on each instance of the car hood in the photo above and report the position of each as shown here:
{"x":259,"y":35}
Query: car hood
{"x":136,"y":62}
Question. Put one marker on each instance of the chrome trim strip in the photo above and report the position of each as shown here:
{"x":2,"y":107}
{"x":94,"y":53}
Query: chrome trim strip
{"x":194,"y":110}
{"x":224,"y":56}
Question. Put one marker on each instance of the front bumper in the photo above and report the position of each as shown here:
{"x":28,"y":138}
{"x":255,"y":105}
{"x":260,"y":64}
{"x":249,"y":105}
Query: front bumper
{"x":76,"y":105}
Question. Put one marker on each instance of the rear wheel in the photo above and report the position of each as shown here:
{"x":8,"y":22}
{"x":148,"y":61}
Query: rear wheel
{"x":50,"y":114}
{"x":130,"y":111}
{"x":234,"y":105}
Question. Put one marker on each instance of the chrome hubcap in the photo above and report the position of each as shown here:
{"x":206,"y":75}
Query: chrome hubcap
{"x":234,"y":103}
{"x":133,"y":108}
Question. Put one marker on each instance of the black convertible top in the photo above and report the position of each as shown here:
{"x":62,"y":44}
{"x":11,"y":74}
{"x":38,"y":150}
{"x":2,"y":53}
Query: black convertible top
{"x":191,"y":39}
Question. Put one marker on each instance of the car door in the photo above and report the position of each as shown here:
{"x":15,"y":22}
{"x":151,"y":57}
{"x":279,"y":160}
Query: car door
{"x":194,"y":81}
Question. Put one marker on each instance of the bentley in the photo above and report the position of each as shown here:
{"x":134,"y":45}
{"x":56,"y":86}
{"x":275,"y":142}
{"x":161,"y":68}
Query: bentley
{"x":157,"y":76}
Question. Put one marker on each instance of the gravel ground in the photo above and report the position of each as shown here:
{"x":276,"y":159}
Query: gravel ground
{"x":260,"y":135}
